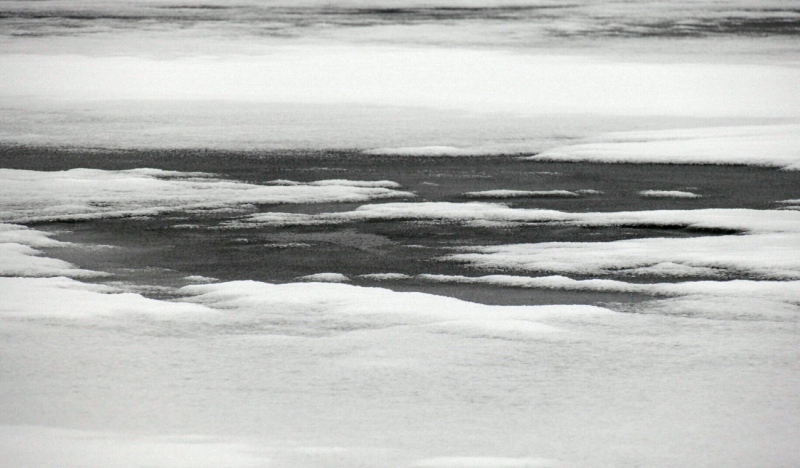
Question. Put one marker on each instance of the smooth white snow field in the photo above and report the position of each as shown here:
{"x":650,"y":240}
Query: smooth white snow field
{"x":315,"y":374}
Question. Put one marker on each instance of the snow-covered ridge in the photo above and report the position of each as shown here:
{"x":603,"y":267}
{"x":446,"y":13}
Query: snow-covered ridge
{"x":28,"y":196}
{"x":765,"y":145}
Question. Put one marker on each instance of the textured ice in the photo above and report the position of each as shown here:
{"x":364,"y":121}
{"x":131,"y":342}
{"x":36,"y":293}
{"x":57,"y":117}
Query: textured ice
{"x":76,"y":194}
{"x":668,"y":194}
{"x":767,"y":145}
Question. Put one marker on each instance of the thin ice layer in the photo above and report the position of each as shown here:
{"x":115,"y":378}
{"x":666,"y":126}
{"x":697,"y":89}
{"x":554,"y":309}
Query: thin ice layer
{"x":27,"y":196}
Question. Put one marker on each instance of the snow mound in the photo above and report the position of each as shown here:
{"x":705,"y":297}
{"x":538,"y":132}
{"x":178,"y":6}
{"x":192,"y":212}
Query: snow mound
{"x":521,"y":194}
{"x":724,"y":300}
{"x":775,"y":256}
{"x":762,"y":145}
{"x":19,"y":257}
{"x":745,"y":220}
{"x":385,"y":276}
{"x":326,"y":278}
{"x":668,"y":194}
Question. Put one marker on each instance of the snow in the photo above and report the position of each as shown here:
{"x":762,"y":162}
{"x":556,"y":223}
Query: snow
{"x":19,"y":257}
{"x":76,"y":194}
{"x":668,"y":194}
{"x":385,"y":276}
{"x":764,"y":145}
{"x":719,"y":300}
{"x":340,"y":182}
{"x":521,"y":193}
{"x":745,"y":220}
{"x":24,"y":445}
{"x":326,"y":278}
{"x":484,"y":462}
{"x":720,"y":255}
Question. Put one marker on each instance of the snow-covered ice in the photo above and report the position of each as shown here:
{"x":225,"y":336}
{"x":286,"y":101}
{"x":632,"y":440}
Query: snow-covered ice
{"x":668,"y":194}
{"x":521,"y":194}
{"x":765,"y":145}
{"x":77,"y":194}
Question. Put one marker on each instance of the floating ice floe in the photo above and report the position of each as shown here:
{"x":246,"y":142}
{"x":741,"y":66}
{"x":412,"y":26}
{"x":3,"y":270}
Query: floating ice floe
{"x":29,"y":196}
{"x":765,"y":145}
{"x":668,"y":194}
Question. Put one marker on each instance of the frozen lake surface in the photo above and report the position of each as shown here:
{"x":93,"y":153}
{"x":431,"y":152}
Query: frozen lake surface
{"x":480,"y":233}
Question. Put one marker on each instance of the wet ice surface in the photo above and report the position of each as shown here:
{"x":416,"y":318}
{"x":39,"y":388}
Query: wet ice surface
{"x":206,"y":344}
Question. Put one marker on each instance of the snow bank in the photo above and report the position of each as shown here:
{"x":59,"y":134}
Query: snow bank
{"x":763,"y":255}
{"x":767,"y":145}
{"x":330,"y":307}
{"x":18,"y":257}
{"x":746,"y":220}
{"x":27,"y":196}
{"x":667,"y":194}
{"x":521,"y":194}
{"x":326,"y":278}
{"x":483,"y":462}
{"x":40,"y":446}
{"x":385,"y":276}
{"x":736,"y":299}
{"x":67,"y":298}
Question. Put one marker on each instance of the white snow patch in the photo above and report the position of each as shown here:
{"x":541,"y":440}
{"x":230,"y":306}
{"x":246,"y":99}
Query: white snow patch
{"x":483,"y":462}
{"x":38,"y":446}
{"x":355,"y":307}
{"x":747,"y":220}
{"x":774,"y":256}
{"x":326,"y":278}
{"x":765,"y":145}
{"x":668,"y":194}
{"x":339,"y":182}
{"x":521,"y":194}
{"x":385,"y":276}
{"x":736,"y":299}
{"x":67,"y":298}
{"x":76,"y":194}
{"x":199,"y":279}
{"x":480,"y":150}
{"x":18,"y":257}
